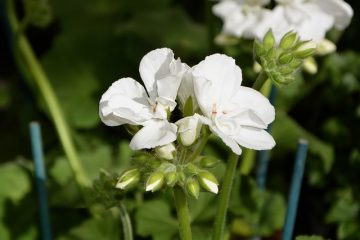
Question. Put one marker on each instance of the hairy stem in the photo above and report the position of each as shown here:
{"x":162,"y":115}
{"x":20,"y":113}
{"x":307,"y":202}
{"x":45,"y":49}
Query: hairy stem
{"x":28,"y":63}
{"x":225,"y":194}
{"x":126,"y":222}
{"x":182,"y":213}
{"x":260,"y":80}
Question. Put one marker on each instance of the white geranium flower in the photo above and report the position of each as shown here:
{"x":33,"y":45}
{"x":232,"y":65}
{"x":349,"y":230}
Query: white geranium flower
{"x":243,"y":18}
{"x":127,"y":102}
{"x":311,"y":19}
{"x":238,"y":115}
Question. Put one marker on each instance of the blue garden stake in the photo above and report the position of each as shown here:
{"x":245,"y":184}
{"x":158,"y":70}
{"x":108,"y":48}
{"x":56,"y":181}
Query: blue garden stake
{"x":263,"y":156}
{"x":38,"y":156}
{"x":294,"y":193}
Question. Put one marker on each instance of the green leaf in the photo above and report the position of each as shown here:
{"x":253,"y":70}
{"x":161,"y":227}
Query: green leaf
{"x":15,"y":182}
{"x":309,"y":238}
{"x":94,"y":229}
{"x":286,"y":133}
{"x":154,"y":218}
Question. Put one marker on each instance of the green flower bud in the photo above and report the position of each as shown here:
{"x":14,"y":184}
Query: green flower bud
{"x":285,"y":58}
{"x":295,"y":63}
{"x":286,"y":70}
{"x":209,"y":161}
{"x":289,"y":40}
{"x":271,"y":54}
{"x":305,"y":49}
{"x":128,"y":178}
{"x":192,"y":186}
{"x":269,"y":40}
{"x":171,"y":178}
{"x":208,"y":181}
{"x":167,"y":151}
{"x":154,"y":182}
{"x":259,"y":49}
{"x":191,"y":168}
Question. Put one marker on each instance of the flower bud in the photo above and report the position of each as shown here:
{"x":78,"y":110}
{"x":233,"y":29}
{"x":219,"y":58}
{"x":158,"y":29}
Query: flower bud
{"x":208,"y":181}
{"x":209,"y":161}
{"x":325,"y":47}
{"x":189,"y":130}
{"x":128,"y":179}
{"x":310,"y":65}
{"x":305,"y":49}
{"x":285,"y":70}
{"x":269,"y":40}
{"x":259,"y":49}
{"x":167,"y":151}
{"x":285,"y":58}
{"x":171,"y":178}
{"x":192,"y":186}
{"x":257,"y":67}
{"x":154,"y":182}
{"x":295,"y":63}
{"x":289,"y":40}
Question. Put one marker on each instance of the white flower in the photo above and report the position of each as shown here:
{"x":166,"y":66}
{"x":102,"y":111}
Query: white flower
{"x":310,"y":19}
{"x":189,"y":129}
{"x":186,"y":90}
{"x":166,"y":151}
{"x":238,"y":115}
{"x":243,"y":18}
{"x":127,"y":102}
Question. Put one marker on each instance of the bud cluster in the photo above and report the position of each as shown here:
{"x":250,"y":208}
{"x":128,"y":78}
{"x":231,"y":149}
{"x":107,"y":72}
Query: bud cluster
{"x":165,"y":168}
{"x":282,"y":61}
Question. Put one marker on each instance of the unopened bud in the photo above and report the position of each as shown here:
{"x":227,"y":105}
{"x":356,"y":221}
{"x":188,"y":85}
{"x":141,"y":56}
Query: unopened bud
{"x":305,"y":49}
{"x":289,"y":40}
{"x":192,"y":186}
{"x":154,"y":182}
{"x":208,"y":181}
{"x":209,"y":161}
{"x":259,"y":49}
{"x":129,"y":178}
{"x":189,"y":130}
{"x":285,"y":70}
{"x":325,"y":47}
{"x":285,"y":58}
{"x":257,"y":67}
{"x":295,"y":63}
{"x":269,"y":40}
{"x":167,"y":151}
{"x":310,"y":65}
{"x":171,"y":178}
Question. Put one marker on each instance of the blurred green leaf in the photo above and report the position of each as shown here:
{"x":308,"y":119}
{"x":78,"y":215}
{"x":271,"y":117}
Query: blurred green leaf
{"x":38,"y":12}
{"x":105,"y":227}
{"x":154,"y":218}
{"x":15,"y":182}
{"x":348,"y":230}
{"x":287,"y":132}
{"x":309,"y":238}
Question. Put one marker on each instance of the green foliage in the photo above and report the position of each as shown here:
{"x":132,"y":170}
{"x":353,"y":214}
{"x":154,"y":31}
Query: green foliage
{"x":153,"y":218}
{"x":309,"y":238}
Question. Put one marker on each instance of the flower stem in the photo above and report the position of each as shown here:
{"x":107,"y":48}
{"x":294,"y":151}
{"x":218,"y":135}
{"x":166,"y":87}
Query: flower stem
{"x":33,"y":69}
{"x":200,"y":146}
{"x":260,"y":80}
{"x":225,"y":193}
{"x":182,"y":213}
{"x":126,"y":222}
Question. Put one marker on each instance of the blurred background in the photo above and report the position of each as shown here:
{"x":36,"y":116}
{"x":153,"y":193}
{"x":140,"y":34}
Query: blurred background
{"x":85,"y":45}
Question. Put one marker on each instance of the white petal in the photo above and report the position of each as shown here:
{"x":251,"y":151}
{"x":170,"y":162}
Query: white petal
{"x":186,"y":90}
{"x":339,"y":9}
{"x":154,"y":64}
{"x":189,"y":129}
{"x":250,"y":99}
{"x":125,"y":102}
{"x":216,"y":79}
{"x":231,"y":143}
{"x":254,"y":138}
{"x":224,"y":9}
{"x":151,"y":186}
{"x":213,"y":187}
{"x":157,"y":133}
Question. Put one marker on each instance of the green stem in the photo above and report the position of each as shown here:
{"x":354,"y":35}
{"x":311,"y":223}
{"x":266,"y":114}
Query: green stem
{"x":126,"y":222}
{"x":200,"y":146}
{"x":34,"y":68}
{"x":182,"y":213}
{"x":225,"y":193}
{"x":260,"y":80}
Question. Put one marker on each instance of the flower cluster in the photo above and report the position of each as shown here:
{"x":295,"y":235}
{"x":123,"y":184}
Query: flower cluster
{"x":211,"y":99}
{"x":311,"y":19}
